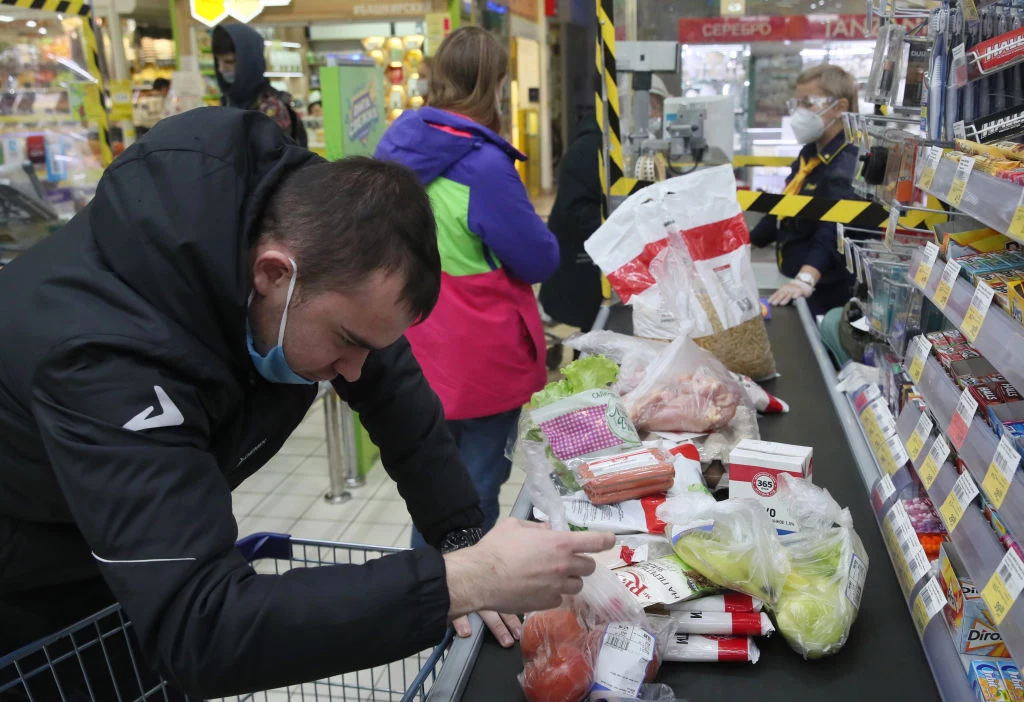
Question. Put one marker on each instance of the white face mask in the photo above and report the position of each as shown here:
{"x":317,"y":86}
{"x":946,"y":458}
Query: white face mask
{"x":808,"y":125}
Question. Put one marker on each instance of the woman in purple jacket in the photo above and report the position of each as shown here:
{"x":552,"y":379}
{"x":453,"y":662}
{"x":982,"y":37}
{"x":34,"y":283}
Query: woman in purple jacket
{"x":483,"y":348}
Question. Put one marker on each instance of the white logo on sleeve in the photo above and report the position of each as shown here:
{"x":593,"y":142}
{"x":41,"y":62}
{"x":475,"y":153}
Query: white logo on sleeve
{"x":169,"y":417}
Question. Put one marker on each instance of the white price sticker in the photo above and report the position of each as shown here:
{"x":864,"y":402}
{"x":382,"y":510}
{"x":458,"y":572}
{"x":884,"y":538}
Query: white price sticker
{"x":1003,"y":587}
{"x":929,"y":602}
{"x":1002,"y":468}
{"x":909,"y":545}
{"x":886,"y":422}
{"x":890,"y":227}
{"x":939,"y":451}
{"x":965,"y":489}
{"x":975,"y":316}
{"x":946,"y":283}
{"x":959,"y":130}
{"x":921,"y":348}
{"x":959,"y":185}
{"x":959,"y":52}
{"x":1006,"y":459}
{"x":885,"y":488}
{"x":921,"y":433}
{"x":932,"y":156}
{"x":931,"y":252}
{"x":961,"y":422}
{"x":897,"y":449}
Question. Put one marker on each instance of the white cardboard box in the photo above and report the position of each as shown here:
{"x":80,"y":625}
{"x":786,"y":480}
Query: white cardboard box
{"x":754,"y":469}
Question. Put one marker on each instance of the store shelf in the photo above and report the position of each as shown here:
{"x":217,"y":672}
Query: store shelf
{"x":1001,"y":337}
{"x":973,"y":538}
{"x":988,"y":199}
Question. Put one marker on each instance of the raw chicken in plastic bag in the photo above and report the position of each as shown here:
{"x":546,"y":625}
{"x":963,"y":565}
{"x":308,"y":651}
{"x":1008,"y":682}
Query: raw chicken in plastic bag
{"x":685,"y":389}
{"x":598,"y":641}
{"x":821,"y":597}
{"x":732,"y":543}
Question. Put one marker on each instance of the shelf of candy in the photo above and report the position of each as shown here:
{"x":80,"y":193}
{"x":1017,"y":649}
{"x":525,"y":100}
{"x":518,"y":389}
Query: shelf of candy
{"x":964,"y":288}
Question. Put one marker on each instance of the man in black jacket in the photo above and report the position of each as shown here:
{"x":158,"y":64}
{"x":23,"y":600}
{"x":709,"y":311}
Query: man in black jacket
{"x":162,"y":346}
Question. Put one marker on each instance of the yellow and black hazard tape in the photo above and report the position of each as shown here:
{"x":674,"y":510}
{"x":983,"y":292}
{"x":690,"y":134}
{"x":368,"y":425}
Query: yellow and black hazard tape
{"x":861,"y":214}
{"x":92,"y":64}
{"x":64,"y":7}
{"x":607,"y":89}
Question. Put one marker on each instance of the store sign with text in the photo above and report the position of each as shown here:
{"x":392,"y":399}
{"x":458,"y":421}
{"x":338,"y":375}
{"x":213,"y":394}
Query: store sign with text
{"x":742,"y":30}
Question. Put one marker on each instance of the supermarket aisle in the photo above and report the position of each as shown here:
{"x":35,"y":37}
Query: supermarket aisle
{"x":286,"y":496}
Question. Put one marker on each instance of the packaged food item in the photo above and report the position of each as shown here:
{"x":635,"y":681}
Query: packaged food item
{"x":1012,"y":680}
{"x":999,"y":527}
{"x":634,"y":548}
{"x":625,"y":476}
{"x":986,"y":394}
{"x":1016,"y":295}
{"x":726,"y":623}
{"x":986,"y":681}
{"x":1010,"y":149}
{"x":973,"y":148}
{"x":626,"y":517}
{"x":726,"y":602}
{"x":828,"y":566}
{"x":974,"y":632}
{"x":664,"y":581}
{"x":733,"y":543}
{"x":684,"y":389}
{"x":697,"y":648}
{"x":754,"y":470}
{"x":585,"y":424}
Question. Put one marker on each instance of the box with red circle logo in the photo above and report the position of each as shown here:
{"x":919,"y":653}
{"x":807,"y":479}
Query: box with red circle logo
{"x":754,"y":470}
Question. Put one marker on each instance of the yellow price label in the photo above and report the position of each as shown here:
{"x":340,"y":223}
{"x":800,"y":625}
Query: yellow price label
{"x":921,"y":432}
{"x":952,"y":512}
{"x":1016,"y":229}
{"x":1001,"y":470}
{"x":959,"y":184}
{"x":1003,"y":587}
{"x":927,"y":177}
{"x":995,"y":485}
{"x":945,"y":288}
{"x":924,"y":268}
{"x":928,"y":603}
{"x":921,"y":348}
{"x":932,"y":156}
{"x":916,"y":369}
{"x":929,"y":471}
{"x":914,"y":445}
{"x":975,"y":316}
{"x":970,"y":10}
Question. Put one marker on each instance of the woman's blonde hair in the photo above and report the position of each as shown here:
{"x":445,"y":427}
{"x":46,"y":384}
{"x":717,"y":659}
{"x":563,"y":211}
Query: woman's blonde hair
{"x":465,"y":75}
{"x":834,"y":82}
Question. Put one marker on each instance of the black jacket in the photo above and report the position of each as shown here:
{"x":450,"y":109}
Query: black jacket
{"x":573,"y":294}
{"x":134,"y":314}
{"x":801,"y":242}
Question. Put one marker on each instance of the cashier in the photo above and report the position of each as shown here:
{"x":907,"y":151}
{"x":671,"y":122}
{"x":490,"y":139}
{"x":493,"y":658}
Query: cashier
{"x":806,"y":248}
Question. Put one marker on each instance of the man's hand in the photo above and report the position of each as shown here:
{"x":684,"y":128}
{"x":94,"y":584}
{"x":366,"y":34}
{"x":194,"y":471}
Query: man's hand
{"x":507,"y":628}
{"x":521,"y":567}
{"x":789,"y":292}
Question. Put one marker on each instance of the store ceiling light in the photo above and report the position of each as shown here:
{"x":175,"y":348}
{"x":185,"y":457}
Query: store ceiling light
{"x":42,"y":30}
{"x":30,"y":23}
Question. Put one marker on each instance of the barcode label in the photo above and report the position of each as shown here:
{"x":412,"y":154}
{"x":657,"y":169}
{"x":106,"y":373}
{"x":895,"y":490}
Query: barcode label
{"x":931,"y":252}
{"x":965,"y":489}
{"x":939,"y":451}
{"x":964,"y":168}
{"x":908,"y":543}
{"x":932,"y":597}
{"x":967,"y":406}
{"x":620,"y":643}
{"x":899,"y":453}
{"x":1006,"y":459}
{"x":951,"y":272}
{"x":885,"y":488}
{"x":921,"y":349}
{"x":924,"y":426}
{"x":1011,"y":570}
{"x":886,"y":422}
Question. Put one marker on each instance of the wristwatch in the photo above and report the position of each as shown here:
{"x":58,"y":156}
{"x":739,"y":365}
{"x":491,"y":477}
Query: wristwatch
{"x":461,"y":538}
{"x":807,"y":279}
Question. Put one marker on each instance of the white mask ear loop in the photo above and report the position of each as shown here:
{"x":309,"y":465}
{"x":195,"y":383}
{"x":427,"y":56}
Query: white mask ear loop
{"x":287,"y":301}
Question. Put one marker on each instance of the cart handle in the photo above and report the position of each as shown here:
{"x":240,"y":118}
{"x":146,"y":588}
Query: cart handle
{"x":265,"y":544}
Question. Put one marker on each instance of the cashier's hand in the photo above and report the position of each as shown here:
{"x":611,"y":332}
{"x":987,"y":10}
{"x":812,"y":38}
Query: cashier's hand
{"x":789,"y":292}
{"x":519,"y":567}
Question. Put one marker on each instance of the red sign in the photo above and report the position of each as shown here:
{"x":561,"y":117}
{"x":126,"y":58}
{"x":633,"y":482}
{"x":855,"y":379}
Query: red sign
{"x":551,"y":8}
{"x":744,"y":30}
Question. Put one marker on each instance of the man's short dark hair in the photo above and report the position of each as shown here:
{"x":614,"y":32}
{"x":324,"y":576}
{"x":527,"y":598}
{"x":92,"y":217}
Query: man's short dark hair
{"x":161,"y":83}
{"x":222,"y":42}
{"x":347,"y":219}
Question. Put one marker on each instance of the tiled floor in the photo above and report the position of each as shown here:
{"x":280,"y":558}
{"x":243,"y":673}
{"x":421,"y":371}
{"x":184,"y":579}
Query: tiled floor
{"x":287,"y":496}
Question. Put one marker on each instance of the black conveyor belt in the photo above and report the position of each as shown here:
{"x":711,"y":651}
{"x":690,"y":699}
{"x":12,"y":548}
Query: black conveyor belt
{"x":883,"y":658}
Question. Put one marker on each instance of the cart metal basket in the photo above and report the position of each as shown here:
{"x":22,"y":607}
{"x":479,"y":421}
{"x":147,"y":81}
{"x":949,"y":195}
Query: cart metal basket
{"x":97,"y":659}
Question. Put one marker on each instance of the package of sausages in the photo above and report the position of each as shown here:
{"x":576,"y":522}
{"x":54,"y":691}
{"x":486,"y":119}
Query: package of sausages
{"x":625,"y":476}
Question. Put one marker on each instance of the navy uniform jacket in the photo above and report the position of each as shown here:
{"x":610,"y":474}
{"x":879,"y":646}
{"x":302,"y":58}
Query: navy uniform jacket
{"x":801,"y":242}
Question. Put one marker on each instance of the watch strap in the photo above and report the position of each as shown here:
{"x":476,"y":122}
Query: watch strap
{"x":461,"y":538}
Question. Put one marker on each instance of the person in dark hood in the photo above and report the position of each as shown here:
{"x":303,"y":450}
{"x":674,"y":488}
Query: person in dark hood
{"x":165,"y":343}
{"x":240,"y":65}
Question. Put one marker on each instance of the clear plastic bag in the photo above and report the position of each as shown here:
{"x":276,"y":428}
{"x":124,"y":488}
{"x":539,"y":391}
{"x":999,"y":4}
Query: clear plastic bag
{"x":821,"y":596}
{"x":590,"y":422}
{"x":625,"y":476}
{"x":733,"y":543}
{"x":684,"y":389}
{"x":632,"y":353}
{"x":718,"y":445}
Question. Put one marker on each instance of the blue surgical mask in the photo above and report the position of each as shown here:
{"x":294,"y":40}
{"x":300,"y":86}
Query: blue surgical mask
{"x":229,"y":78}
{"x":274,"y":366}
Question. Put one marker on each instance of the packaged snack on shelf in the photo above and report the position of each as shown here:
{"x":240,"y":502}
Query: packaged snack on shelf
{"x":1012,"y":680}
{"x":724,"y":623}
{"x":986,"y":681}
{"x":726,"y":602}
{"x":957,"y":244}
{"x":969,"y":622}
{"x":664,"y":581}
{"x":922,"y":515}
{"x":625,"y":476}
{"x":1016,"y":295}
{"x":822,"y":593}
{"x":685,"y":389}
{"x":1007,"y":418}
{"x":733,"y":543}
{"x":999,"y":527}
{"x":695,"y":648}
{"x":754,"y":470}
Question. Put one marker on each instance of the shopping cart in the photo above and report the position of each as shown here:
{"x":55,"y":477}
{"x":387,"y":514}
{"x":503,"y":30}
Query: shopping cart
{"x":97,"y":659}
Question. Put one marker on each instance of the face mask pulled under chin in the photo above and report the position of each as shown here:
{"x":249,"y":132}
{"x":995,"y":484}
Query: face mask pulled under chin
{"x":274,"y":366}
{"x":807,"y":125}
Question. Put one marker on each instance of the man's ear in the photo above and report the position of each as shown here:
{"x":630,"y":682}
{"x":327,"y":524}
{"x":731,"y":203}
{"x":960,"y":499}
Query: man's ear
{"x":271,"y":268}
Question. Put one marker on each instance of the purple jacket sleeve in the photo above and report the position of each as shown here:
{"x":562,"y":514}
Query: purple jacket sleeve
{"x":501,"y":214}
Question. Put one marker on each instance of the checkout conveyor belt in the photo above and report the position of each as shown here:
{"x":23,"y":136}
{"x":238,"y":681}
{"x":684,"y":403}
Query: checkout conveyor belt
{"x":883,"y":658}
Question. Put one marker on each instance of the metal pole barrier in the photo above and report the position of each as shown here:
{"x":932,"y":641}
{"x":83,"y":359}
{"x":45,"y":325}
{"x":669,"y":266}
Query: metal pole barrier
{"x":348,"y":447}
{"x":336,"y":493}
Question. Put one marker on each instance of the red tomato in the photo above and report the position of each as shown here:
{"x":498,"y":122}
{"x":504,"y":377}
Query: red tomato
{"x":565,"y":675}
{"x":546,"y":630}
{"x":652,"y":668}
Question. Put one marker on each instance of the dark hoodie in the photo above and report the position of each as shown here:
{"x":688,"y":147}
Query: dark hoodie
{"x":250,"y":89}
{"x":129,"y":410}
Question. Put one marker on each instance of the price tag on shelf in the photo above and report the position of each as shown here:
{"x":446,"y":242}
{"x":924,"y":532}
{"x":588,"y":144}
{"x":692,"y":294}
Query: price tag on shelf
{"x":956,"y":502}
{"x":975,"y":316}
{"x":937,"y":456}
{"x":890,"y":226}
{"x":959,"y":130}
{"x":921,"y":432}
{"x":908,"y":553}
{"x":959,"y":185}
{"x":970,"y":10}
{"x":849,"y":259}
{"x":932,"y":156}
{"x":924,"y":269}
{"x":841,"y":238}
{"x":885,"y":488}
{"x":1003,"y":587}
{"x":1016,"y":229}
{"x":966,"y":408}
{"x":929,"y":602}
{"x":1001,"y":471}
{"x":949,"y":275}
{"x":886,"y":422}
{"x":922,"y":347}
